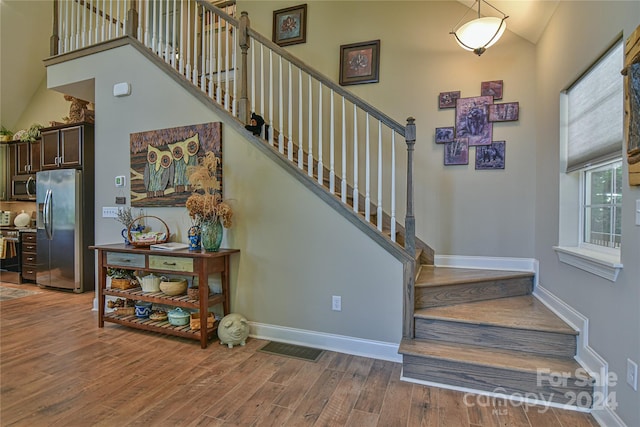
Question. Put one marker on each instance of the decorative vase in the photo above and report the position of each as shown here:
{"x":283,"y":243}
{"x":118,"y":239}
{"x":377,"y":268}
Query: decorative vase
{"x":194,"y":238}
{"x":211,"y":235}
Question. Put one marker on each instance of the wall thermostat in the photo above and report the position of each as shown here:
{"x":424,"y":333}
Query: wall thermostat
{"x":122,"y":89}
{"x":120,"y":181}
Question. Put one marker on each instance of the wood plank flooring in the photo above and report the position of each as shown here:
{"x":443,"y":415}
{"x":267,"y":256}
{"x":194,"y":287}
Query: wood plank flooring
{"x":57,"y":368}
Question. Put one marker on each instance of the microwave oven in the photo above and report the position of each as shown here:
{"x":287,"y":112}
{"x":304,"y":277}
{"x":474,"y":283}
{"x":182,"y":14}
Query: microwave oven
{"x":23,"y":187}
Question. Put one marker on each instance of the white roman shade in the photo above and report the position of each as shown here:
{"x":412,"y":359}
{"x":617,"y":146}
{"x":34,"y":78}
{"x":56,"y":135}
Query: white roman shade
{"x":595,"y":113}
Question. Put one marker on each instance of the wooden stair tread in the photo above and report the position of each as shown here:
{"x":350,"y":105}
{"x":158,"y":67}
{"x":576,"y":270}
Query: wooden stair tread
{"x":521,"y":312}
{"x":441,"y":276}
{"x":483,"y":356}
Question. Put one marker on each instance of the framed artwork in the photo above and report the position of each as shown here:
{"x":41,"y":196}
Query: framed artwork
{"x":160,"y":158}
{"x":448,"y":99}
{"x":444,"y":135}
{"x":359,"y":63}
{"x":507,"y":112}
{"x":490,"y":156}
{"x":492,"y":88}
{"x":472,"y":120}
{"x":456,"y":152}
{"x":631,"y":74}
{"x":290,"y":25}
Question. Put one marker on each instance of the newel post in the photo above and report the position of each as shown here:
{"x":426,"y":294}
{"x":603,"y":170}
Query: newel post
{"x":243,"y":101}
{"x":410,"y":221}
{"x":132,"y":20}
{"x":409,"y":273}
{"x":53,"y":41}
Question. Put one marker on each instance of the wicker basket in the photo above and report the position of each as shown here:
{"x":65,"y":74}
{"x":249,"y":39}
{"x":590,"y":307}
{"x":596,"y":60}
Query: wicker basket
{"x":194,"y":323}
{"x":125,"y":311}
{"x":117,"y":283}
{"x":147,"y":243}
{"x":193,"y":293}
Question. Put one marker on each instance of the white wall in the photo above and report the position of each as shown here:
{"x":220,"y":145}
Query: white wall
{"x":577,"y":34}
{"x":296,"y":252}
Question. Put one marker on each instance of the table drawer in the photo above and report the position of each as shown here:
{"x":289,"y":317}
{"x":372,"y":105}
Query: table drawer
{"x":171,"y":263}
{"x":29,"y":272}
{"x":29,"y":237}
{"x":125,"y":260}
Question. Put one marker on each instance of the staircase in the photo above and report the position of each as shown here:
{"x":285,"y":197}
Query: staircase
{"x":483,"y":330}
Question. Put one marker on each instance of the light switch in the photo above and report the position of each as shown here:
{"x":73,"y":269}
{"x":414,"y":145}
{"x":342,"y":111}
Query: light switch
{"x":120,"y":181}
{"x":638,"y":212}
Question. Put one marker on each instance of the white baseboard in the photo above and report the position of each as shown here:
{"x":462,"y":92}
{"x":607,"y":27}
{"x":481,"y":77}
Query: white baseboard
{"x":586,"y":356}
{"x":340,"y":343}
{"x":487,"y":263}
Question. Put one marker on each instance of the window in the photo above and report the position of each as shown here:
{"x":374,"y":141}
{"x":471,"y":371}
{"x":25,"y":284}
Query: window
{"x":601,"y":205}
{"x":591,"y":185}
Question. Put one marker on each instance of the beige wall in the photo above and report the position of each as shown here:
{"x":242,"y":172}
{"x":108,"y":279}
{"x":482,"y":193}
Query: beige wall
{"x":296,"y":252}
{"x":458,"y":210}
{"x":578,"y":33}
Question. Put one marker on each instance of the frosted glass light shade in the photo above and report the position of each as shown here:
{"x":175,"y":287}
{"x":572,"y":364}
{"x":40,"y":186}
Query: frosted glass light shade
{"x":479,"y":34}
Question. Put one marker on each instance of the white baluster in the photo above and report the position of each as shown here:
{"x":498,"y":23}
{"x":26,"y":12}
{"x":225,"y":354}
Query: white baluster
{"x":118,"y":20}
{"x":280,"y":109}
{"x":211,"y":21}
{"x":355,"y":158}
{"x":167,"y":47}
{"x":343,"y":182}
{"x":194,"y":66}
{"x":66,"y":26}
{"x":320,"y":165}
{"x":84,"y":24}
{"x":379,"y":212}
{"x":203,"y":52}
{"x":253,"y":79}
{"x":90,"y":33}
{"x":105,"y":19}
{"x":262,"y":83}
{"x":300,"y":127}
{"x":173,"y":38}
{"x":219,"y":63}
{"x":290,"y":118}
{"x":226,"y":66}
{"x":367,"y":174}
{"x":393,"y":185}
{"x":187,"y":17}
{"x":141,"y":20}
{"x":111,"y":19}
{"x":234,"y":58}
{"x":332,"y":172}
{"x":154,"y":32}
{"x":273,"y":132}
{"x":310,"y":153}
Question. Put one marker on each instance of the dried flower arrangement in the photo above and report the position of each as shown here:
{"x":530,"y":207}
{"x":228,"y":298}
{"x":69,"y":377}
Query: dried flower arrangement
{"x":206,"y":202}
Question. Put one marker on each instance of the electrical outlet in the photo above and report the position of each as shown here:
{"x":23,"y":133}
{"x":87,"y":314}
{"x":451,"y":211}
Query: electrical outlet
{"x":632,"y":374}
{"x":109,"y":212}
{"x":336,"y":303}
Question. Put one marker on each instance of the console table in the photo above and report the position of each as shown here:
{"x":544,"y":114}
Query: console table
{"x":181,"y":262}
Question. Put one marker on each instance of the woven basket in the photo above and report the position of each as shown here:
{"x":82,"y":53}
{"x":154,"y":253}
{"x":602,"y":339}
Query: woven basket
{"x":122,"y":284}
{"x":193,"y":293}
{"x":147,"y":243}
{"x":125,"y":311}
{"x":194,"y":322}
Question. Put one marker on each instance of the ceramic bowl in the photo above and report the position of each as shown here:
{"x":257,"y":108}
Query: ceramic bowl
{"x":173,"y":287}
{"x":143,"y":309}
{"x":178,"y":317}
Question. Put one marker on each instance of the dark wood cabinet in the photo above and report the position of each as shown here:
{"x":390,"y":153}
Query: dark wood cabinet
{"x":65,"y":146}
{"x":25,"y":157}
{"x":29,"y":256}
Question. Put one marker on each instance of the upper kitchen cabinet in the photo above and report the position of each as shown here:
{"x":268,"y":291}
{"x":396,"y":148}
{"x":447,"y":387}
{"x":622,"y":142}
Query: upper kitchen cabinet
{"x":64,"y":146}
{"x":26,"y":157}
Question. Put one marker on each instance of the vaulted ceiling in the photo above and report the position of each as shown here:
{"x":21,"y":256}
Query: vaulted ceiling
{"x":26,"y":27}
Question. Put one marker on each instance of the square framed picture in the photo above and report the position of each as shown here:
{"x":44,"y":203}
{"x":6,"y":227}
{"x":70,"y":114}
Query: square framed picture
{"x":290,"y":25}
{"x":507,"y":112}
{"x":472,"y":119}
{"x":492,"y":88}
{"x":490,"y":156}
{"x":360,"y":63}
{"x":448,"y":99}
{"x":456,"y":152}
{"x":444,"y":135}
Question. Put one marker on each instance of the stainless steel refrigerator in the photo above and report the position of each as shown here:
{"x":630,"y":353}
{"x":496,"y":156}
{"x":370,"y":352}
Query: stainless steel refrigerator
{"x":64,"y":231}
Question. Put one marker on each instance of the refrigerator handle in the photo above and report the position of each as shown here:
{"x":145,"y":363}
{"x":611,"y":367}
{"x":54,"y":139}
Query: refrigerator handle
{"x":46,"y":214}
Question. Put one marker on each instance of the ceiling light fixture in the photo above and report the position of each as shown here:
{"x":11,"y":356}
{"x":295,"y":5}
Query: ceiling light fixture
{"x":480,"y":33}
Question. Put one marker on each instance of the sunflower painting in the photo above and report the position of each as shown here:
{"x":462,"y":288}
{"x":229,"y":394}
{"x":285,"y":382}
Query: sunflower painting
{"x":160,"y":158}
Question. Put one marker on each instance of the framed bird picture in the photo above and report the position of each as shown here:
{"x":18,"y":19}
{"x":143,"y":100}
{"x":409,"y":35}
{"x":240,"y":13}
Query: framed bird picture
{"x":160,"y":158}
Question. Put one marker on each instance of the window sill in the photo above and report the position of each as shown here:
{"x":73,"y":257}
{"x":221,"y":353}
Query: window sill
{"x":595,"y":262}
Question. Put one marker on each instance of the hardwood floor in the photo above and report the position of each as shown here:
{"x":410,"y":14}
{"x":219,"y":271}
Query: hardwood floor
{"x":57,"y":368}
